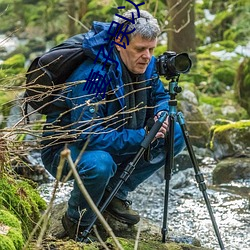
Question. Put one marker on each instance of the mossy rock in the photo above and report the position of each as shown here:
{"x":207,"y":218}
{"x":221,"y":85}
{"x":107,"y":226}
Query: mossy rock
{"x":13,"y":70}
{"x":225,"y":75}
{"x":17,"y":61}
{"x":220,"y":24}
{"x":11,"y":237}
{"x":128,"y":244}
{"x":242,"y":85}
{"x":212,"y":75}
{"x":232,"y":139}
{"x":231,"y":169}
{"x":219,"y":107}
{"x":150,"y":235}
{"x":21,"y":199}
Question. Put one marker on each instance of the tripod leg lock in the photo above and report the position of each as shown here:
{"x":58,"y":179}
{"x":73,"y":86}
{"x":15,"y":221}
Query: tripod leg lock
{"x":127,"y":172}
{"x":200,"y":180}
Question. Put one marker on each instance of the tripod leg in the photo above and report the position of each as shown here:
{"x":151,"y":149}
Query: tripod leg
{"x":199,"y":176}
{"x":129,"y":168}
{"x":168,"y":173}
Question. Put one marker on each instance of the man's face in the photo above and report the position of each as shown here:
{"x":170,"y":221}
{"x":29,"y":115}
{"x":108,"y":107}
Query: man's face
{"x":137,"y":54}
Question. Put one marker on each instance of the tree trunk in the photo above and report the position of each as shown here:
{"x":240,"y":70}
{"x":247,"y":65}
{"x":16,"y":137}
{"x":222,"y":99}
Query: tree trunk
{"x":72,"y":13}
{"x":181,"y":27}
{"x":83,"y":8}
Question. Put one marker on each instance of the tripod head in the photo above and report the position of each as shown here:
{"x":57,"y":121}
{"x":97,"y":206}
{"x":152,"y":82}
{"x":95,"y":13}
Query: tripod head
{"x":174,"y":89}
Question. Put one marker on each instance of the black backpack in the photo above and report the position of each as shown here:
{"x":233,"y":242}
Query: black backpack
{"x":48,"y":73}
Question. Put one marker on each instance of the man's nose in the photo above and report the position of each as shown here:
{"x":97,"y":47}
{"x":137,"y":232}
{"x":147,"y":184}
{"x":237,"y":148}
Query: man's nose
{"x":146,"y":54}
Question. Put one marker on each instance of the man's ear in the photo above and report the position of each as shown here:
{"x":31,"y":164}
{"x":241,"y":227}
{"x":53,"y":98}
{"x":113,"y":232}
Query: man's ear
{"x":118,"y":40}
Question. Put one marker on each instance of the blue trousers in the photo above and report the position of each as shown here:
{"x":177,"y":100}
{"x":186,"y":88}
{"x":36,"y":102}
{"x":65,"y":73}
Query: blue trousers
{"x":100,"y":170}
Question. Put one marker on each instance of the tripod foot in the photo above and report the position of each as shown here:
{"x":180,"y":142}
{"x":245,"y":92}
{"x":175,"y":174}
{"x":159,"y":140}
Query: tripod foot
{"x":164,"y":232}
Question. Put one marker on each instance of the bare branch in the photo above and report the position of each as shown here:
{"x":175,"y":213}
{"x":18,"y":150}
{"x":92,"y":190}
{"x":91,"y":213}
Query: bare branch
{"x":66,"y":154}
{"x":77,"y":21}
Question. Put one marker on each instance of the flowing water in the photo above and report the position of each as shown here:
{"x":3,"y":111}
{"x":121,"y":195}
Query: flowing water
{"x":187,"y":212}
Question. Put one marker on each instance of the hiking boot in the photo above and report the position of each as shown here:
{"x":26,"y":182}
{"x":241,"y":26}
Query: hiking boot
{"x":75,"y":231}
{"x":121,"y":211}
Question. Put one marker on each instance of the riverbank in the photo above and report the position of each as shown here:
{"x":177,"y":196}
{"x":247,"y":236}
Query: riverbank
{"x":188,"y":216}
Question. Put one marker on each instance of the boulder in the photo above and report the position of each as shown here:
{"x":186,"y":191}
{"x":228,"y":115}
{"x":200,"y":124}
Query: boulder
{"x":197,"y":125}
{"x":231,"y":169}
{"x":231,"y":139}
{"x":150,"y":235}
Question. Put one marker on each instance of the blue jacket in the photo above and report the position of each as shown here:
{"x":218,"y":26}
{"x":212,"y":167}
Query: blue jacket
{"x":105,"y":132}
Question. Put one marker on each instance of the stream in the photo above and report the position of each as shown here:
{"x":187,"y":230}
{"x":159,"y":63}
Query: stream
{"x":187,"y":212}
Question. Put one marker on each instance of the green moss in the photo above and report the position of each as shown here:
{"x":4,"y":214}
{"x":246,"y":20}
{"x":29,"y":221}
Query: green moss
{"x":91,"y":247}
{"x":242,"y":84}
{"x":212,"y":100}
{"x":128,"y":244}
{"x":6,"y":243}
{"x":22,"y":200}
{"x":16,"y":237}
{"x":14,"y":234}
{"x":16,"y":61}
{"x":228,"y":45}
{"x":236,"y":125}
{"x":239,"y":128}
{"x":219,"y":102}
{"x":9,"y":219}
{"x":222,"y":121}
{"x":225,"y":75}
{"x":13,"y":71}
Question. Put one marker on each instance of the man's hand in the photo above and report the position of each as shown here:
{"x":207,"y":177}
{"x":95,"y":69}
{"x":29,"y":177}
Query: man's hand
{"x":164,"y":128}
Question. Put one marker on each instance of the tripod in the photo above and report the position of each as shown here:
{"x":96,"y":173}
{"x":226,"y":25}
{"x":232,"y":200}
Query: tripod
{"x":173,"y":90}
{"x":169,"y":163}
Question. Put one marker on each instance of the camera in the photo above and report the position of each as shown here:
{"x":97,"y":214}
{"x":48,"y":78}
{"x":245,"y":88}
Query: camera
{"x":171,"y":65}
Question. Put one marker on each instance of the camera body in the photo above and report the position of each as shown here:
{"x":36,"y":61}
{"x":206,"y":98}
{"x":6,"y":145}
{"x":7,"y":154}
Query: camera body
{"x":171,"y":65}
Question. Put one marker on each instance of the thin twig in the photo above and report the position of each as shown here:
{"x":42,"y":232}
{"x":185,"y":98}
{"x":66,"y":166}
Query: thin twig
{"x":137,"y":236}
{"x":66,"y":154}
{"x":99,"y":238}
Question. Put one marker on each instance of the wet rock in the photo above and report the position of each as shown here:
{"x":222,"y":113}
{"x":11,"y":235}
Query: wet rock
{"x":231,"y":169}
{"x":31,"y":167}
{"x":181,"y":179}
{"x":190,"y":96}
{"x":232,"y":139}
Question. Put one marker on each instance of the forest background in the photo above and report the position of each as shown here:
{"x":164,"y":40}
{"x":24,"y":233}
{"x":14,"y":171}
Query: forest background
{"x":214,"y":33}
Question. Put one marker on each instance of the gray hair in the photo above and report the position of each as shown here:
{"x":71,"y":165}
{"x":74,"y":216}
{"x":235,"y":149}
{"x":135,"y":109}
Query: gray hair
{"x":146,"y":25}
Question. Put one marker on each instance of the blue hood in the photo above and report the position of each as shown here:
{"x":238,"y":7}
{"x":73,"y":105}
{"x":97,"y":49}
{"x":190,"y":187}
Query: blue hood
{"x":96,"y":37}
